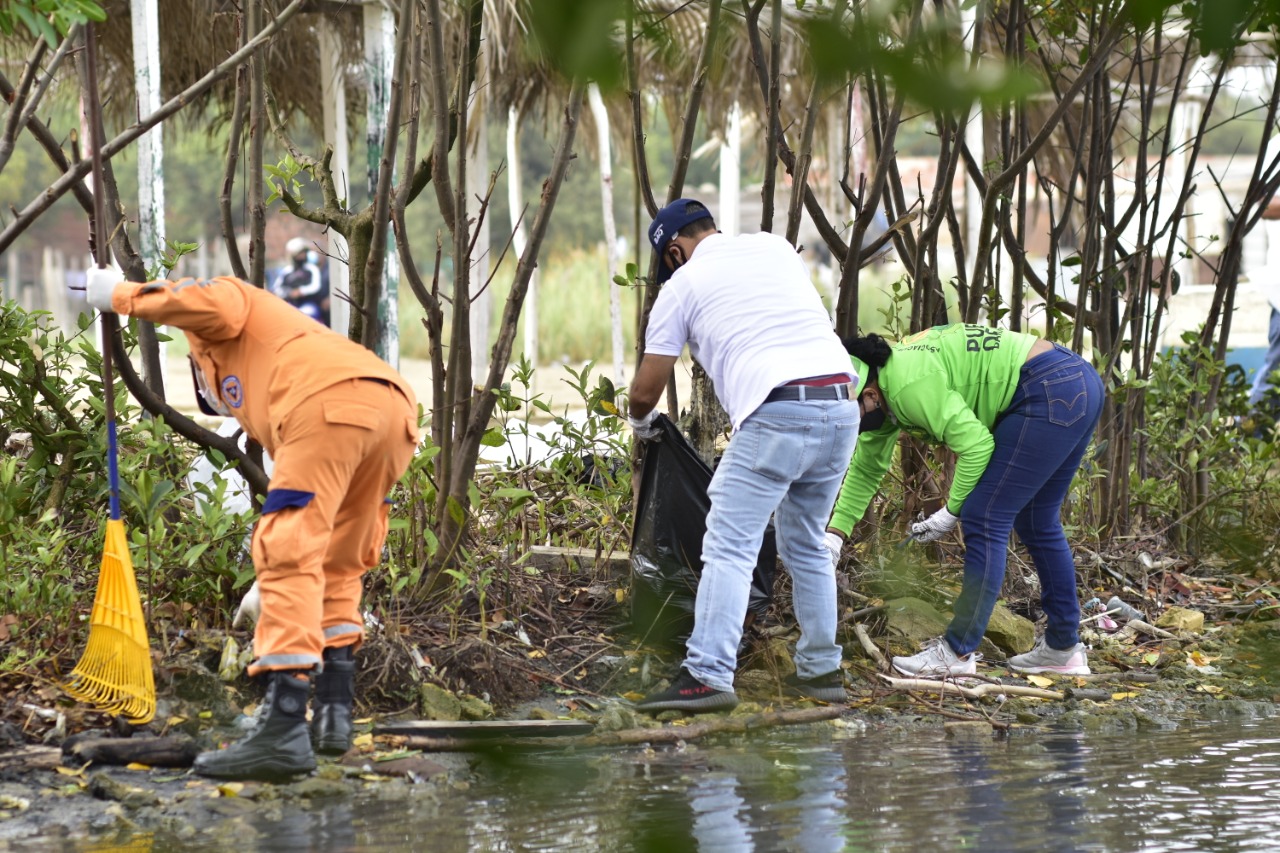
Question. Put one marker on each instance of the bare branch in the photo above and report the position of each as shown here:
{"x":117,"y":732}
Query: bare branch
{"x":440,"y":112}
{"x":694,"y":104}
{"x":77,"y":174}
{"x":637,"y":122}
{"x":238,"y":112}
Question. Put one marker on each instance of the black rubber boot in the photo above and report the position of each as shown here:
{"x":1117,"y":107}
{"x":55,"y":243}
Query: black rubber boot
{"x":335,"y":693}
{"x":278,"y":745}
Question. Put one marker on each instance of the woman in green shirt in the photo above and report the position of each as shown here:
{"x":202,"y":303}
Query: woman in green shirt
{"x":1018,"y":412}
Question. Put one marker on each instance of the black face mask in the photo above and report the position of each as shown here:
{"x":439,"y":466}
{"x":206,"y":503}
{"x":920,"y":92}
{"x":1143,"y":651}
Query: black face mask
{"x":677,"y":258}
{"x":872,"y":420}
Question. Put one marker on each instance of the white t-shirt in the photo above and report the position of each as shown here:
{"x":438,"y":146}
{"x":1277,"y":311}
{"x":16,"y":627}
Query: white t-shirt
{"x":751,"y":317}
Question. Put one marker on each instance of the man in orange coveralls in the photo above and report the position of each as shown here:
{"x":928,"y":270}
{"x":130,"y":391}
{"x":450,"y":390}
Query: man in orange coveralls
{"x":341,"y":426}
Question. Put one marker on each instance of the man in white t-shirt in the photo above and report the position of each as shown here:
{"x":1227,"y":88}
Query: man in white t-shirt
{"x":752,"y":318}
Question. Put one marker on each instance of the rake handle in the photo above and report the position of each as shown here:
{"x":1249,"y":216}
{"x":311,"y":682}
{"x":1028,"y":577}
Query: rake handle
{"x":102,"y":251}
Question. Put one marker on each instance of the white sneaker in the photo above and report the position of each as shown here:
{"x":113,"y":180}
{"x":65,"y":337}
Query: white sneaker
{"x":937,"y":661}
{"x":1041,"y":658}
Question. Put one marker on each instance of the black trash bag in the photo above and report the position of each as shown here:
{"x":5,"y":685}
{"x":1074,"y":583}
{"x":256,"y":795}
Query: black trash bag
{"x":666,"y":542}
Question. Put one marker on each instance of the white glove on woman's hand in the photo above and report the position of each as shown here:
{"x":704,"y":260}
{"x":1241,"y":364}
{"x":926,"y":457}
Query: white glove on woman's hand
{"x":250,"y":608}
{"x":643,"y":427}
{"x":99,"y":284}
{"x":835,"y":544}
{"x":934,"y":527}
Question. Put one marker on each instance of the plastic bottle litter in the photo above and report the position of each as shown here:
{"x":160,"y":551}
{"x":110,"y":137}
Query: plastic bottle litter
{"x":1116,"y":607}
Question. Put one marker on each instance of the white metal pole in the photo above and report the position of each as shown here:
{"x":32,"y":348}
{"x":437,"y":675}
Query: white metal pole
{"x":145,"y":17}
{"x":601,"y":117}
{"x":333,"y":94}
{"x":478,"y":183}
{"x":730,"y":173}
{"x":515,"y":205}
{"x":379,"y":57}
{"x":974,"y":141}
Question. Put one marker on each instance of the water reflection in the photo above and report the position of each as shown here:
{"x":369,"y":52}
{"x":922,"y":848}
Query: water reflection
{"x":1212,"y":787}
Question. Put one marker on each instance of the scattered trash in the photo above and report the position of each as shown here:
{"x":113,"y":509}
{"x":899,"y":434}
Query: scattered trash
{"x":1124,"y":611}
{"x":1181,"y":619}
{"x":234,"y":660}
{"x":1110,"y":615}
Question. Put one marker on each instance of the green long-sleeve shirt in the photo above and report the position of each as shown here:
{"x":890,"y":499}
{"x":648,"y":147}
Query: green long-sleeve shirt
{"x":945,"y":385}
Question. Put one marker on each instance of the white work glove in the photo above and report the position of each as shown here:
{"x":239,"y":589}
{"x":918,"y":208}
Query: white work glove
{"x":99,"y":284}
{"x":249,"y":609}
{"x":835,"y":544}
{"x":643,"y":428}
{"x":934,"y":527}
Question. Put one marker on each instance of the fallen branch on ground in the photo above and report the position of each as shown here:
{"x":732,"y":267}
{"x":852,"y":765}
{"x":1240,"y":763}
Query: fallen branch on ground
{"x":1139,"y":626}
{"x":952,"y":715}
{"x":861,"y":613}
{"x":175,"y":751}
{"x":868,"y":646}
{"x":969,"y":692}
{"x":634,"y":737}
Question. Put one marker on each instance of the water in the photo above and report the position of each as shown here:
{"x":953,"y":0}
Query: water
{"x":1197,"y":788}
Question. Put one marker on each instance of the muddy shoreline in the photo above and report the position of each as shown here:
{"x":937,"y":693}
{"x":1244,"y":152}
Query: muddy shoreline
{"x":47,"y":799}
{"x":565,"y":653}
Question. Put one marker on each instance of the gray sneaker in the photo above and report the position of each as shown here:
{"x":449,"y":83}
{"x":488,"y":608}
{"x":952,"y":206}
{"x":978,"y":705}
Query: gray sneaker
{"x":1072,"y":661}
{"x":937,"y":661}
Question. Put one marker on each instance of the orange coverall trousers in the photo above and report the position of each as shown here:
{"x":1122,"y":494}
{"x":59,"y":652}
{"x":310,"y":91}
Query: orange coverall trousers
{"x":337,"y":456}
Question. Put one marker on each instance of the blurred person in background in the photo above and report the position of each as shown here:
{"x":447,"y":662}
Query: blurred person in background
{"x":301,"y":284}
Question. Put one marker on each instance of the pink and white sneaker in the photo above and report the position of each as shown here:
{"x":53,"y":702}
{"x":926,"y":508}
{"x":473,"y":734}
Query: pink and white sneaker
{"x":1072,"y":661}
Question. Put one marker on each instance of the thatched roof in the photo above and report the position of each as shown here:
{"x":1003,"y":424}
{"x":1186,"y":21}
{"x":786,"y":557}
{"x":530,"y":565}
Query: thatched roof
{"x":195,"y":35}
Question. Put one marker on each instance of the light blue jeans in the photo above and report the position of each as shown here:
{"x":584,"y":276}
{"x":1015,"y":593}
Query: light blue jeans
{"x":786,"y":461}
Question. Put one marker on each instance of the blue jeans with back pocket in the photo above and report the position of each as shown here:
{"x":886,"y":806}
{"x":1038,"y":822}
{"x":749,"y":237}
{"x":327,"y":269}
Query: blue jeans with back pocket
{"x":786,"y":461}
{"x":1040,"y":440}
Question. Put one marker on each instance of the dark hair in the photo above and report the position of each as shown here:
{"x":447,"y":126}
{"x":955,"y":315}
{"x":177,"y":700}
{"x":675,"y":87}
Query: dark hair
{"x":872,"y":350}
{"x":697,"y":227}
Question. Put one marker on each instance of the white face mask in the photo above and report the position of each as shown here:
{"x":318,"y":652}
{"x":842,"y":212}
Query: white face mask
{"x":211,"y":399}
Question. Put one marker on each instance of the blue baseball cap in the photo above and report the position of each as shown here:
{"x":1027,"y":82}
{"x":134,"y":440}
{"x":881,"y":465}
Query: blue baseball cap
{"x":670,"y":220}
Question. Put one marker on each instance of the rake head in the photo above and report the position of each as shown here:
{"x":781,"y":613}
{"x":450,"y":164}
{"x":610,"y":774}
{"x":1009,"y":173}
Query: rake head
{"x":114,"y":673}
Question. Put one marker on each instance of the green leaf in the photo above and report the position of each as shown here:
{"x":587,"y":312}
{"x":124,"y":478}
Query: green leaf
{"x":455,"y":511}
{"x":513,"y":494}
{"x":93,"y":11}
{"x":493,"y":437}
{"x":580,"y":39}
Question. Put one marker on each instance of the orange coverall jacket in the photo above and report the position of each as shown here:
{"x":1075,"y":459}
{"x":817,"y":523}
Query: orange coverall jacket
{"x":339,"y":443}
